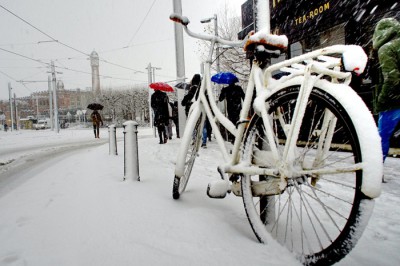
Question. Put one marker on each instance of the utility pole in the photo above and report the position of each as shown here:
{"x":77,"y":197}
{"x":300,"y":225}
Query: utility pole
{"x":149,"y":75}
{"x":50,"y":103}
{"x":16,"y":113}
{"x":37,"y":106}
{"x":180,"y":64}
{"x":207,"y":20}
{"x":53,"y":73}
{"x":153,"y":69}
{"x":11,"y":106}
{"x":151,"y":78}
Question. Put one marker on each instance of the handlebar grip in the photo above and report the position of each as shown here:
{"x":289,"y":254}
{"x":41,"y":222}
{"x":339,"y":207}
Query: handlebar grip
{"x":179,"y":19}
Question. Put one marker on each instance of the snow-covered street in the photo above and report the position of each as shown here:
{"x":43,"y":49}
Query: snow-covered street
{"x":72,"y":207}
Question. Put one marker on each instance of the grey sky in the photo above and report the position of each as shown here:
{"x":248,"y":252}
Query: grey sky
{"x":128,"y":34}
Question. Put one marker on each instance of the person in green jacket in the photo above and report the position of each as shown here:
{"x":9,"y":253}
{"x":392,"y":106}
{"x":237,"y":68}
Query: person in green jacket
{"x":386,"y":42}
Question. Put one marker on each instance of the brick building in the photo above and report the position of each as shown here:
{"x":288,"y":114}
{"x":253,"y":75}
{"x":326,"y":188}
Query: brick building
{"x":37,"y":105}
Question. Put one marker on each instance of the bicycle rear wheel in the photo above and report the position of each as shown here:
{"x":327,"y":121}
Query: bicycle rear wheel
{"x":319,"y":218}
{"x":180,"y":181}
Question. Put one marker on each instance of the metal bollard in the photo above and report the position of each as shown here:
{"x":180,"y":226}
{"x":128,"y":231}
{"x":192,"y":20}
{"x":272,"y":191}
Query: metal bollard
{"x":131,"y":153}
{"x":112,"y":140}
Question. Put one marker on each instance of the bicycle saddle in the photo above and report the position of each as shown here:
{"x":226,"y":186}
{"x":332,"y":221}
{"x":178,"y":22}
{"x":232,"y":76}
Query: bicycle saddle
{"x":271,"y":42}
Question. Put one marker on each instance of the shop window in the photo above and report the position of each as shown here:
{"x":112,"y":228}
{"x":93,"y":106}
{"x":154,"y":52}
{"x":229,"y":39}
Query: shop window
{"x":332,"y":36}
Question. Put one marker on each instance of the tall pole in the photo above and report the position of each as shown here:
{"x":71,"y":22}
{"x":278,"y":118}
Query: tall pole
{"x":53,"y":73}
{"x":16,"y":112}
{"x":180,"y":64}
{"x":217,"y":47}
{"x":50,"y":103}
{"x":153,"y":69}
{"x":149,"y":75}
{"x":37,"y":106}
{"x":11,"y":106}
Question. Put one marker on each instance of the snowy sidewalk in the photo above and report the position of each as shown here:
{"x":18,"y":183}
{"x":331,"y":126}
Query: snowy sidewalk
{"x":77,"y":210}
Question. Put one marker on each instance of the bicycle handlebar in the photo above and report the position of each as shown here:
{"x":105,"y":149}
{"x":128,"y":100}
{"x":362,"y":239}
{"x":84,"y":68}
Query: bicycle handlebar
{"x":185,"y":21}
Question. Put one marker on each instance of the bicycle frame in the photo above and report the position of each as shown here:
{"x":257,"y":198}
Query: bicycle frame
{"x":318,"y":65}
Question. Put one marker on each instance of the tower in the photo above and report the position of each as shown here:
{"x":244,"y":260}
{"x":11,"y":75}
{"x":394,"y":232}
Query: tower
{"x":94,"y":62}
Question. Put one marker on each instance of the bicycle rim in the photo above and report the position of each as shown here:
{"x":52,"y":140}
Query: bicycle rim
{"x":180,"y":183}
{"x":315,"y":217}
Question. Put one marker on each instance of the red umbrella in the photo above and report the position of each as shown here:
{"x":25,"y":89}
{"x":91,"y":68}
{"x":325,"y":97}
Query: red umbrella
{"x":161,"y":86}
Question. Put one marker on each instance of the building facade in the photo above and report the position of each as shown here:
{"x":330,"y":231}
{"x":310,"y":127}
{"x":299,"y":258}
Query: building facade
{"x":37,"y":105}
{"x":314,"y":24}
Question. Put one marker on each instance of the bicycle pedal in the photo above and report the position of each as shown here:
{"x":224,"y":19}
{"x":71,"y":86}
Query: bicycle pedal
{"x":218,"y":189}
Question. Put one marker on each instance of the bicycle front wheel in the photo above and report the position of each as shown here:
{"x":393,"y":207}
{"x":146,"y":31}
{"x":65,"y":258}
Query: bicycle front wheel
{"x":319,"y":217}
{"x":190,"y":153}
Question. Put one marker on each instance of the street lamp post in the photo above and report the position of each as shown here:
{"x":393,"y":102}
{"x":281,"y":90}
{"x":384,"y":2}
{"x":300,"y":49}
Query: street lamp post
{"x":151,"y":78}
{"x":180,"y":63}
{"x":11,"y":106}
{"x":51,"y":104}
{"x":207,"y":20}
{"x":56,"y":124}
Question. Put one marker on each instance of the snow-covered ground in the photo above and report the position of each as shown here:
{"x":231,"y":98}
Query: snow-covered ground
{"x":63,"y":201}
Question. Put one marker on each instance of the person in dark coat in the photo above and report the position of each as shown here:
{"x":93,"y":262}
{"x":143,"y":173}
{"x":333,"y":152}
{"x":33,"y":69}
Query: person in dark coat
{"x":233,"y":94}
{"x":159,"y":103}
{"x":386,"y":41}
{"x":194,"y":87}
{"x":175,"y":117}
{"x":97,"y":121}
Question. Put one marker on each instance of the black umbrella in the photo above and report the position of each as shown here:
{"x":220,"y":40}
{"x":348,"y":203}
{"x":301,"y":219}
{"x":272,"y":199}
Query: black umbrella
{"x":95,"y":106}
{"x":182,"y":85}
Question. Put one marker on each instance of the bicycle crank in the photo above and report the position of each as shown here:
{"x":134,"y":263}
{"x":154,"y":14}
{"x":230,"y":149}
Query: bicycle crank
{"x":218,"y":189}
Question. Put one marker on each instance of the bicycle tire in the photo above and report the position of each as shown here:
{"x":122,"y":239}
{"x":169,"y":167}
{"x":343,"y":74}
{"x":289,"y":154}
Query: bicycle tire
{"x":180,"y":182}
{"x":322,"y":223}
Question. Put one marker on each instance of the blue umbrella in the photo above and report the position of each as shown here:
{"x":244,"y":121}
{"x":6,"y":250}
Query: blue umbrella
{"x":224,"y":78}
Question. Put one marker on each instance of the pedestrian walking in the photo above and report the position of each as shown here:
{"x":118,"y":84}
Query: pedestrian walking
{"x":169,"y":124}
{"x":159,"y":103}
{"x":233,"y":94}
{"x":206,"y":133}
{"x":97,"y":121}
{"x":386,"y":43}
{"x":194,"y":87}
{"x":175,"y":116}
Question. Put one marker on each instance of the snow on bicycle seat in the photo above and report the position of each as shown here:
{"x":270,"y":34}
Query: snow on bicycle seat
{"x":270,"y":41}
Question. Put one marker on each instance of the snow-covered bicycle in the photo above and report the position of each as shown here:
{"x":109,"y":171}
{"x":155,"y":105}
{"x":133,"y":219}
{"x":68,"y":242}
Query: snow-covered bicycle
{"x":306,"y":158}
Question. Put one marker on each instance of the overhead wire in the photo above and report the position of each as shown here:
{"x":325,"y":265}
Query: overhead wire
{"x":61,"y":67}
{"x":5,"y":74}
{"x":143,"y":20}
{"x":36,"y":28}
{"x":57,"y":41}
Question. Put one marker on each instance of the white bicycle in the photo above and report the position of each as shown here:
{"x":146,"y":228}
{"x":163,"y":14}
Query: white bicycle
{"x":308,"y":161}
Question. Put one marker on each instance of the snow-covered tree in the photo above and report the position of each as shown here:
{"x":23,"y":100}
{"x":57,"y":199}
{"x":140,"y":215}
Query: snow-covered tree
{"x":231,"y":59}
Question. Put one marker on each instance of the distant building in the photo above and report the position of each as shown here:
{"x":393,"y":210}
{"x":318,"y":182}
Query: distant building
{"x":37,"y":104}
